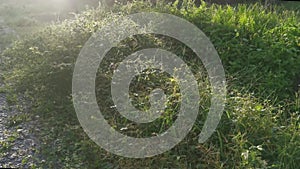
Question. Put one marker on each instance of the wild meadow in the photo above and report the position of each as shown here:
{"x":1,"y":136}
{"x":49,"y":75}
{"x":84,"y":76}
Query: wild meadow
{"x":259,"y":48}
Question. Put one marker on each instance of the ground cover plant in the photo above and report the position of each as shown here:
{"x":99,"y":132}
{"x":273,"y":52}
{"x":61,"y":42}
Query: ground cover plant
{"x":260,"y":51}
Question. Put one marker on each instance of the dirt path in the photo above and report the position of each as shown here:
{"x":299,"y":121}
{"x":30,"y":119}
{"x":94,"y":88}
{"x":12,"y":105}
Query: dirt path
{"x":18,"y":145}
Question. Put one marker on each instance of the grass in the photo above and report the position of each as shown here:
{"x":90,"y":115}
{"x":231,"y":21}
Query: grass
{"x":290,"y":5}
{"x":260,"y":52}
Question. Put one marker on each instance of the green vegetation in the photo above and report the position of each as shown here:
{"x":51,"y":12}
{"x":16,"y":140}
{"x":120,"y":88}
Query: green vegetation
{"x":260,"y":51}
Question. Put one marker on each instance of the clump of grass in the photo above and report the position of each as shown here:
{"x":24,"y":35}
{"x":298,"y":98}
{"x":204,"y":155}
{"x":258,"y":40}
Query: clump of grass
{"x":260,"y":53}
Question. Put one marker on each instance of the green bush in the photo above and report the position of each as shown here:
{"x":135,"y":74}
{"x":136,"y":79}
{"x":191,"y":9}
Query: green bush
{"x":259,"y":50}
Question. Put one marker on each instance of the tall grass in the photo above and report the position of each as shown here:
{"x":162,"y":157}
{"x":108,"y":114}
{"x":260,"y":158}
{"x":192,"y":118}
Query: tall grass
{"x":260,"y":52}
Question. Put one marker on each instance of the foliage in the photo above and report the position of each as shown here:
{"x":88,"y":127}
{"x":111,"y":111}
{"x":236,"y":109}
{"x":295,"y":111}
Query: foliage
{"x":260,"y":52}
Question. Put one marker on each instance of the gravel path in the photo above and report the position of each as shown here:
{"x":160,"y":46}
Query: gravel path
{"x":18,"y":145}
